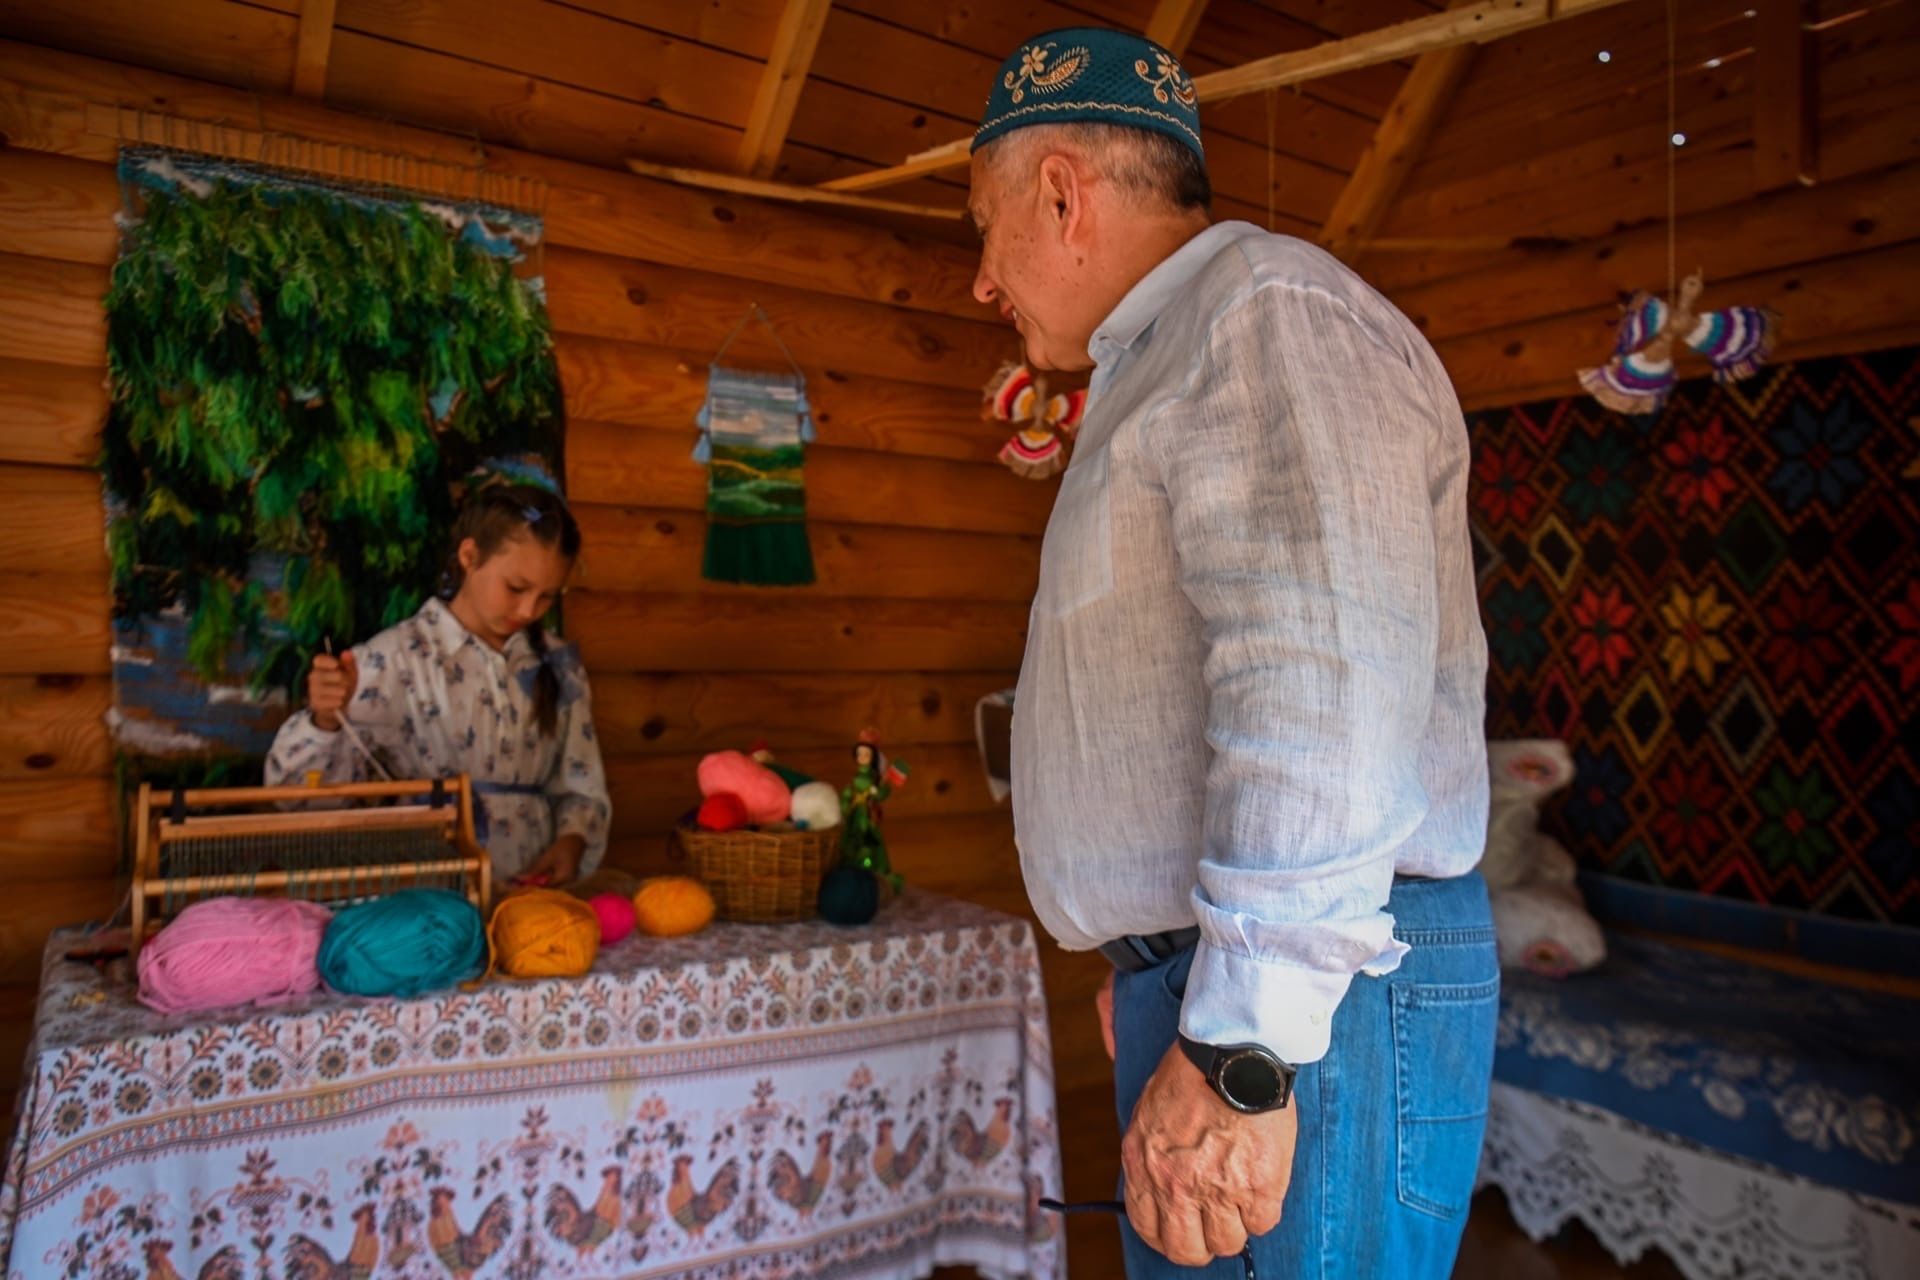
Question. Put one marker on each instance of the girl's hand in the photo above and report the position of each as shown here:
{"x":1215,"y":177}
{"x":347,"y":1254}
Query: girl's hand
{"x":330,"y":686}
{"x":559,"y":865}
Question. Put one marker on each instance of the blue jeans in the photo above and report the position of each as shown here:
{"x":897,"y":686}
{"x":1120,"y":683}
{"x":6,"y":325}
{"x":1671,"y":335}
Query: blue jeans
{"x":1390,"y":1119}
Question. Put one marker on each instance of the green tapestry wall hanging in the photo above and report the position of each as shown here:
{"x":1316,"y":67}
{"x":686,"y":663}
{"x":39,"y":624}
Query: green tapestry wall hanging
{"x":754,"y":429}
{"x":302,"y":376}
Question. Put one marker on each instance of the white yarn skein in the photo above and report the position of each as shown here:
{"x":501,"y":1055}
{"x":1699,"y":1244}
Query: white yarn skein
{"x":816,"y":806}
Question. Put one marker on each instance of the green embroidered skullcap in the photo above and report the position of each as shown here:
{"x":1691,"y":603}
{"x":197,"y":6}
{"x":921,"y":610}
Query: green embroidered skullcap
{"x":1093,"y":75}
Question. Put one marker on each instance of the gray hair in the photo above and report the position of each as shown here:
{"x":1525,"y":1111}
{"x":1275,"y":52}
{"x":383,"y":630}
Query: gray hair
{"x":1148,"y":164}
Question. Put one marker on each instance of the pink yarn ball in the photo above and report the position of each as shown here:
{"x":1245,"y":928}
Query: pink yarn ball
{"x":227,"y":951}
{"x":767,"y":797}
{"x":616,"y":916}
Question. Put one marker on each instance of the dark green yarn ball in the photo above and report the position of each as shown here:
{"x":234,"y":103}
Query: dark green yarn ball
{"x":849,"y":895}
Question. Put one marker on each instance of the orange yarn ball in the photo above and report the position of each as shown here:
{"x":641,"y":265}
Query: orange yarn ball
{"x":544,"y":933}
{"x":671,"y":906}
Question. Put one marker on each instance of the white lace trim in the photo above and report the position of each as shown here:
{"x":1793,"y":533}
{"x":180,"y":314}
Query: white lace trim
{"x":1717,"y":1216}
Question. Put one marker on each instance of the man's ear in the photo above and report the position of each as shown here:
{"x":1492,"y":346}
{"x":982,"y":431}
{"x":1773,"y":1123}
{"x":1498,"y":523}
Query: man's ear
{"x":1062,"y":195}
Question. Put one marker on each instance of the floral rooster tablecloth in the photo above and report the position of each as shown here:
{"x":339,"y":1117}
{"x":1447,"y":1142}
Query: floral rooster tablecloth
{"x":756,"y":1101}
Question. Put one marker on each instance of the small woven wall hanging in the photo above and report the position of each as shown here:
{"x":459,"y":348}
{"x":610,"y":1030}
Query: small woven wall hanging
{"x":754,"y":429}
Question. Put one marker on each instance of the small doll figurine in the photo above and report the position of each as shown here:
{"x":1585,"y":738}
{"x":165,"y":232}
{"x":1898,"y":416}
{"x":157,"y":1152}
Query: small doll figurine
{"x":874,"y":779}
{"x":1640,"y":376}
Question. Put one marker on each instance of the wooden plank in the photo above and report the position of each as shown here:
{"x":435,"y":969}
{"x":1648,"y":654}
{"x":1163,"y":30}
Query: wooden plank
{"x":1791,"y":226}
{"x":794,"y":41}
{"x":639,"y":714}
{"x":608,"y":297}
{"x":1844,"y":342}
{"x":54,"y":726}
{"x":1395,"y":149}
{"x":27,"y":918}
{"x":790,"y":192}
{"x":51,"y":311}
{"x":53,"y":207}
{"x":43,"y":94}
{"x":54,"y":828}
{"x":310,"y":50}
{"x":51,"y":413}
{"x":636,"y":466}
{"x":51,"y":625}
{"x":1861,"y":293}
{"x":624,"y":632}
{"x":651,"y":793}
{"x":1471,"y":23}
{"x":1786,"y":117}
{"x":659,"y":551}
{"x":1173,"y":24}
{"x":54,"y":522}
{"x":208,"y":39}
{"x":624,"y":382}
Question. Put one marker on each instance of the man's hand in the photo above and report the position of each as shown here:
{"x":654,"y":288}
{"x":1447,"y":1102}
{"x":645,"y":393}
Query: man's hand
{"x":330,"y":686}
{"x":1201,"y":1177}
{"x":1103,"y":1005}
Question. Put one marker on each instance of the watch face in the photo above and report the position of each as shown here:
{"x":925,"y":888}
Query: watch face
{"x":1251,"y":1081}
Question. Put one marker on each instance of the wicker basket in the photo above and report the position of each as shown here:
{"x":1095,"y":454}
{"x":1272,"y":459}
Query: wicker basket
{"x":761,"y":877}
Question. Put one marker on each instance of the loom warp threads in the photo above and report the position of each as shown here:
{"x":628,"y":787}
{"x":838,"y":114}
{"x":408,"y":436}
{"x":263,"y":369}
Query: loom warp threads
{"x":409,"y":941}
{"x":228,"y":951}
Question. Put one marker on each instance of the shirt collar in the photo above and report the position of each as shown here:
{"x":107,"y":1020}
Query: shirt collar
{"x":1160,"y":286}
{"x":453,"y":635}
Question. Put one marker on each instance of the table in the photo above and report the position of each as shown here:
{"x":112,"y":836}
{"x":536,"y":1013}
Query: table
{"x":756,"y":1101}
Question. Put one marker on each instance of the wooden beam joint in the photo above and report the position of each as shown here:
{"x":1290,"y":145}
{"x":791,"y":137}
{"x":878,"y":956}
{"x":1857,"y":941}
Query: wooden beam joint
{"x":312,"y":49}
{"x":1786,"y":115}
{"x":794,"y":42}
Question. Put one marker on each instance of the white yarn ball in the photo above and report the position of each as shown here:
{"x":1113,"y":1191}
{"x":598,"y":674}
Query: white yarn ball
{"x":816,"y":806}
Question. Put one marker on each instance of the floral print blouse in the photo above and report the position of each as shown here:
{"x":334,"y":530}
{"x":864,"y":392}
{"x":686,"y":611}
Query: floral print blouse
{"x":433,"y":701}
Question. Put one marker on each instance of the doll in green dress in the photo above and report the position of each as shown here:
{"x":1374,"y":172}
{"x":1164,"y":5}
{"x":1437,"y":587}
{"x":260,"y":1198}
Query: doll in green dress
{"x":874,"y":779}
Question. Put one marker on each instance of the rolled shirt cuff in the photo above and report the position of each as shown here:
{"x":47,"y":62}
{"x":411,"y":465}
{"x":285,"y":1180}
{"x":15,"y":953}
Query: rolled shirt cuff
{"x":1233,"y":998}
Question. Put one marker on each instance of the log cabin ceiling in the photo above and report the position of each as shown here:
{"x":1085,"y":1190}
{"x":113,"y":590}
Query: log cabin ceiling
{"x":1538,"y":140}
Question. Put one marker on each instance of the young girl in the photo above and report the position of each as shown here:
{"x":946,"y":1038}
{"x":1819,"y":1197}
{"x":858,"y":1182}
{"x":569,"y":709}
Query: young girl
{"x":473,"y":685}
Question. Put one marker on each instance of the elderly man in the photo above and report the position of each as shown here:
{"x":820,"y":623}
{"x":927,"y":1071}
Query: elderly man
{"x":1248,"y":755}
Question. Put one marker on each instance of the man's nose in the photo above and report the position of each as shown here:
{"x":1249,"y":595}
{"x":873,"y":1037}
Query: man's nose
{"x":983,"y":287}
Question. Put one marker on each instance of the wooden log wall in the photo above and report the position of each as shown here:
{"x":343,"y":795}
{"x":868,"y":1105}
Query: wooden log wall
{"x":926,"y":548}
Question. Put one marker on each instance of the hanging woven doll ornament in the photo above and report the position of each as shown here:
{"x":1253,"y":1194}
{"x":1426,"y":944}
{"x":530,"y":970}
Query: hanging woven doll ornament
{"x":1038,"y":449}
{"x":1736,"y":342}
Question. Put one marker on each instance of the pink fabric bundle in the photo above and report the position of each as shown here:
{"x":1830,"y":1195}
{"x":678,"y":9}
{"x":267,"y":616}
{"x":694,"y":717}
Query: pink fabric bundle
{"x":759,"y":788}
{"x":231,"y":951}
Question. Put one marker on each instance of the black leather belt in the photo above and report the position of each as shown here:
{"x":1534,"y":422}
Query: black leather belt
{"x":1137,"y":951}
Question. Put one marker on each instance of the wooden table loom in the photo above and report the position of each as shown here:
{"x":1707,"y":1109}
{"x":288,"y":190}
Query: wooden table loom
{"x":194,"y":845}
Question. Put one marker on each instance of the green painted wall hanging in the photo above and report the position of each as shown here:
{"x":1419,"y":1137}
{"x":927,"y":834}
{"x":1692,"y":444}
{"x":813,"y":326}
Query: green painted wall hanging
{"x":754,"y":429}
{"x":302,"y":375}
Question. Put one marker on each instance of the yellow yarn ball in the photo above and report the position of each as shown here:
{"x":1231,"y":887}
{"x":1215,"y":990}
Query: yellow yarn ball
{"x":544,"y":933}
{"x":669,"y":906}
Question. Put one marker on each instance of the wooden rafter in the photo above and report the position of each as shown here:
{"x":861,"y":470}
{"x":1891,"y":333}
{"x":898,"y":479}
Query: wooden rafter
{"x":1396,"y":147}
{"x":794,"y":42}
{"x":311,"y":50}
{"x":1473,"y":23}
{"x":1786,"y":116}
{"x":791,"y":192}
{"x":1173,"y":24}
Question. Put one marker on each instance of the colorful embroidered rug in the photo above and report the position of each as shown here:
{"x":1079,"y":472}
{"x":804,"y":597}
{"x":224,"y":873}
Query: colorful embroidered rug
{"x":1719,"y":610}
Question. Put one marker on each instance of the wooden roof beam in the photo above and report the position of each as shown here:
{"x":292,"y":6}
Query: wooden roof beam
{"x":313,"y":47}
{"x":1473,"y":23}
{"x":1786,"y":116}
{"x":1396,"y":147}
{"x":1173,"y":24}
{"x":794,"y":41}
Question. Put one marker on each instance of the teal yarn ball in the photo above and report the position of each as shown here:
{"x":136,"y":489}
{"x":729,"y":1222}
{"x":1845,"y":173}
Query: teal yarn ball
{"x":403,"y":944}
{"x":849,"y":895}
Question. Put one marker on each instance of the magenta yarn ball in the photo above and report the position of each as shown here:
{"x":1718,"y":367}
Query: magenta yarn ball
{"x":616,"y":916}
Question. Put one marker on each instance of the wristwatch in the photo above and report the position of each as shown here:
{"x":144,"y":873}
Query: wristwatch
{"x":1248,"y":1077}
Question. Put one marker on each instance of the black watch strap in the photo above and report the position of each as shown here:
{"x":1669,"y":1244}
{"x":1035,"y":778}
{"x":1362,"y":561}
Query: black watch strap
{"x":1250,"y":1078}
